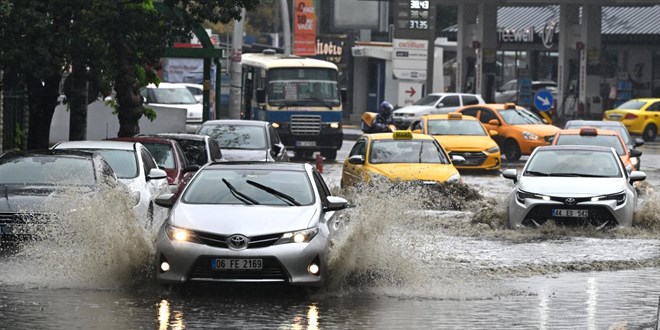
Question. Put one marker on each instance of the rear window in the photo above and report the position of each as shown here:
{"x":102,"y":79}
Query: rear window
{"x":195,"y":151}
{"x":162,"y":153}
{"x":470,"y":100}
{"x":611,"y":141}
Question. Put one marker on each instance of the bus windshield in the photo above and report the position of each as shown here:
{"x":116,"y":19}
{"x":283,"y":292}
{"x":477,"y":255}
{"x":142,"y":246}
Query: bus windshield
{"x":303,"y":87}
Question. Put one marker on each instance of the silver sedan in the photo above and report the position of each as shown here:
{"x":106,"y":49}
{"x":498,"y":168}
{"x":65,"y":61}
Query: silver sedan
{"x":573,"y":185}
{"x":255,"y":222}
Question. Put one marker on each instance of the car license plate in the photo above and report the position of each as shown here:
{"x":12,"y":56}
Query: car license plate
{"x":237,"y":264}
{"x":306,"y":143}
{"x":561,"y":213}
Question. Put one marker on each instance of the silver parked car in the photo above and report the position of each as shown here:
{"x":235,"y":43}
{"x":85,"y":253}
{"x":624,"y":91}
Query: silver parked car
{"x":249,"y":222}
{"x":573,"y":185}
{"x":435,"y":103}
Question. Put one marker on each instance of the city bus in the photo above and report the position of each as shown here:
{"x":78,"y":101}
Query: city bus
{"x":299,"y":96}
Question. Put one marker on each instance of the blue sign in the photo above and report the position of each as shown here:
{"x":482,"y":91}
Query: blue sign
{"x":543,"y":100}
{"x":524,"y":92}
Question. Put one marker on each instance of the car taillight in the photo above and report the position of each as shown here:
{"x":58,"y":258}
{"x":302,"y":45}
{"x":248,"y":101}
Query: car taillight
{"x":630,"y":116}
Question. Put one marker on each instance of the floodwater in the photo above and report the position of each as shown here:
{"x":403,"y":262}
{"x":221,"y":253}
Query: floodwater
{"x":400,"y":262}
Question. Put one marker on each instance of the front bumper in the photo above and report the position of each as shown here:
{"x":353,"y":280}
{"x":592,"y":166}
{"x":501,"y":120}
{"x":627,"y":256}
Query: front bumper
{"x":285,"y":263}
{"x":327,"y":139}
{"x":478,"y":160}
{"x":527,"y":146}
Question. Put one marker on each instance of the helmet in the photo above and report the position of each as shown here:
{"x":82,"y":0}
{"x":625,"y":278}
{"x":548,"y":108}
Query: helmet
{"x":385,"y":108}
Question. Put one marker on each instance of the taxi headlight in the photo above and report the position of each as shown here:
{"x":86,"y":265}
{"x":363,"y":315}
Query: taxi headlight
{"x":301,"y":236}
{"x":456,"y":178}
{"x":181,"y":235}
{"x":530,"y":136}
{"x":493,"y":150}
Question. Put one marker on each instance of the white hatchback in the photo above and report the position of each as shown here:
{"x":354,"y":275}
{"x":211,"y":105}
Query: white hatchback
{"x":435,"y":103}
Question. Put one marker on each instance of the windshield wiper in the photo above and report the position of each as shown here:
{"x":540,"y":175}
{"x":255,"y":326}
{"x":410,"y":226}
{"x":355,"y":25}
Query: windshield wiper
{"x":290,"y":200}
{"x":536,"y":173}
{"x":239,"y":195}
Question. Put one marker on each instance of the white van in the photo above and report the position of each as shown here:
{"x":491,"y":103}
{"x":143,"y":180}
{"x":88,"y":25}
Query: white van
{"x":169,"y":95}
{"x":432,"y":104}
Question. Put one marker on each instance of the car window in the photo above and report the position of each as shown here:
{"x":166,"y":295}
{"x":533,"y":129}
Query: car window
{"x":417,"y":125}
{"x":427,"y":100}
{"x":275,"y":139}
{"x":194,"y":151}
{"x":487,"y":115}
{"x":519,"y":117}
{"x":470,"y":112}
{"x":47,"y":170}
{"x":123,"y":162}
{"x":455,"y":127}
{"x":406,"y":151}
{"x":170,"y":96}
{"x":510,"y":86}
{"x":208,"y":187}
{"x":236,"y":136}
{"x":359,"y":148}
{"x":148,"y":161}
{"x":632,"y":105}
{"x":324,"y":191}
{"x":654,"y":107}
{"x":214,"y":149}
{"x":470,"y":100}
{"x":162,"y":153}
{"x":451,"y":101}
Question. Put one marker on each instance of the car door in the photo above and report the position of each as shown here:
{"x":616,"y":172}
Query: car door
{"x":449,"y":103}
{"x":654,"y":113}
{"x":352,"y":173}
{"x":485,"y":116}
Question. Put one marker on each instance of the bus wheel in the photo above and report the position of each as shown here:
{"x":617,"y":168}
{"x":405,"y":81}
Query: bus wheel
{"x":329,"y":154}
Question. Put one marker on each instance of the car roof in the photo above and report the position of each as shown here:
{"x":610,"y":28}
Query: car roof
{"x":180,"y":136}
{"x":145,"y":139}
{"x":50,"y":152}
{"x":166,"y":85}
{"x":104,"y":144}
{"x":451,"y":93}
{"x":575,"y":147}
{"x":446,"y":116}
{"x":389,"y":136}
{"x":280,"y":166}
{"x":492,"y":106}
{"x":576,"y":131}
{"x":235,"y":122}
{"x":579,"y":122}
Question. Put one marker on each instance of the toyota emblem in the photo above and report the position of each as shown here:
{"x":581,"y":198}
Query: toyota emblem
{"x":237,"y":242}
{"x":569,"y":201}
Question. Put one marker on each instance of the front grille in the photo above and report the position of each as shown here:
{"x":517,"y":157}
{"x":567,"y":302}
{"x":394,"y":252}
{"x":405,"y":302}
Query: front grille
{"x":221,"y":240}
{"x":471,"y":158}
{"x":598,"y":216}
{"x":272,"y":270}
{"x":26,"y":218}
{"x":305,"y":124}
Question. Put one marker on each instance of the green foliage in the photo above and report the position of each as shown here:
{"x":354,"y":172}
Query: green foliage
{"x":19,"y":137}
{"x":149,"y":113}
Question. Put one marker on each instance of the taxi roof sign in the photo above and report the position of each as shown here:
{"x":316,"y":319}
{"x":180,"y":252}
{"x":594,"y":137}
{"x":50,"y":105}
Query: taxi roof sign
{"x":402,"y":135}
{"x":455,"y":115}
{"x":509,"y":105}
{"x":588,"y":131}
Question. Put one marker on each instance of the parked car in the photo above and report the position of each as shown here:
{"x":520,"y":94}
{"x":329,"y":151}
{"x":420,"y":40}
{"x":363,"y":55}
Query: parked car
{"x":197,"y":90}
{"x":246,"y":140}
{"x":257,"y":222}
{"x":519,"y":131}
{"x":435,"y":103}
{"x":171,"y":95}
{"x":199,"y":149}
{"x":508,"y":93}
{"x":640,"y":116}
{"x":134,"y":166}
{"x":573,"y":185}
{"x":168,"y":156}
{"x":32,"y":182}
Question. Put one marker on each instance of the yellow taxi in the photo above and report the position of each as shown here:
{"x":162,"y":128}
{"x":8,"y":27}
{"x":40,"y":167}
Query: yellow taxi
{"x":519,"y":131}
{"x":462,"y":136}
{"x":598,"y":137}
{"x":640,"y":116}
{"x":399,"y":156}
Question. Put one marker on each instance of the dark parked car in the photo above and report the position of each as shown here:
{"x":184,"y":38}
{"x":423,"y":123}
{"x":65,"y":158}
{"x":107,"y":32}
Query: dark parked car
{"x":32,"y":182}
{"x":199,"y":149}
{"x":168,"y":156}
{"x":246,"y":140}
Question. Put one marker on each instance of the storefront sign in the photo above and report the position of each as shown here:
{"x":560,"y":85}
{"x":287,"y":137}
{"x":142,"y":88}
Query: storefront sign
{"x":409,"y":58}
{"x":304,"y":28}
{"x":546,"y":36}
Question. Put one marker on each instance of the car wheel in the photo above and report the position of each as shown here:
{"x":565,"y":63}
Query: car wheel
{"x":329,"y":154}
{"x":511,"y":150}
{"x":650,"y":132}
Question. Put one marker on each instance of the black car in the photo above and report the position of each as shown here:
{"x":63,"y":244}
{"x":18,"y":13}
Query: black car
{"x":618,"y":127}
{"x":246,"y":140}
{"x":31,"y":184}
{"x":198,"y":149}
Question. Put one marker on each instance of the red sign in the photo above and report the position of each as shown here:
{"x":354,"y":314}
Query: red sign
{"x":304,"y":27}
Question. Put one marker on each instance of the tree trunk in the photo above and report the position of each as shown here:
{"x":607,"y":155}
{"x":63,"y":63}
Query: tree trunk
{"x":78,"y":105}
{"x":128,"y":97}
{"x":42,"y":100}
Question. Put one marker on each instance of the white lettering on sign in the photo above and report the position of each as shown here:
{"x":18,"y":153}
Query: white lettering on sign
{"x":516,"y":35}
{"x":411,"y":44}
{"x":417,"y":4}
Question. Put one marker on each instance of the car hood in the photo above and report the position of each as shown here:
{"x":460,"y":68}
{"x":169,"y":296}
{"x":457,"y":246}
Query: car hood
{"x":409,"y":172}
{"x":572,"y":186}
{"x":30,"y":198}
{"x":233,"y":155}
{"x":465,"y":142}
{"x":248,"y":220}
{"x":416,"y":109}
{"x":541,"y":130}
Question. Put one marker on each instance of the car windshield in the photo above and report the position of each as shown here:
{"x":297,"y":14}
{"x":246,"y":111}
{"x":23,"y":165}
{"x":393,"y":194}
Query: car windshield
{"x":455,"y":127}
{"x":123,"y":162}
{"x":572,"y":162}
{"x":617,"y":128}
{"x":406,"y":151}
{"x":427,"y":100}
{"x":209,"y":187}
{"x":170,"y":96}
{"x":162,"y":153}
{"x":599,"y":140}
{"x":632,"y":105}
{"x":236,"y":136}
{"x":519,"y":117}
{"x":47,"y":170}
{"x":195,"y":151}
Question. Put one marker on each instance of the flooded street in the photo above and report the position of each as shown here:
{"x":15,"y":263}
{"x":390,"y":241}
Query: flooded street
{"x":405,"y":259}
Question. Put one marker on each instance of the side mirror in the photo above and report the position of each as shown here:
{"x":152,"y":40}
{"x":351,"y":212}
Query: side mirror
{"x":639,"y":142}
{"x":494,"y":122}
{"x":344,"y":94}
{"x":511,"y":174}
{"x":635,"y":153}
{"x":165,"y":200}
{"x":637,"y":176}
{"x":458,"y":160}
{"x":493,"y":133}
{"x":336,"y":203}
{"x":356,"y":160}
{"x":156,"y":174}
{"x":440,"y":105}
{"x":191,"y":168}
{"x":276,"y":149}
{"x":261,"y":96}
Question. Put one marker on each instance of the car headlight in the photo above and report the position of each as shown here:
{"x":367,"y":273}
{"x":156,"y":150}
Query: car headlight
{"x":135,"y":198}
{"x":456,"y":178}
{"x":301,"y":236}
{"x":619,"y":197}
{"x":181,"y":235}
{"x":530,"y":136}
{"x":493,"y":150}
{"x":521,"y":195}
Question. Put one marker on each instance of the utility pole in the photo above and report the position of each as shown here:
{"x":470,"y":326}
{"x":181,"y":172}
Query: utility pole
{"x":286,"y":27}
{"x":235,"y":69}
